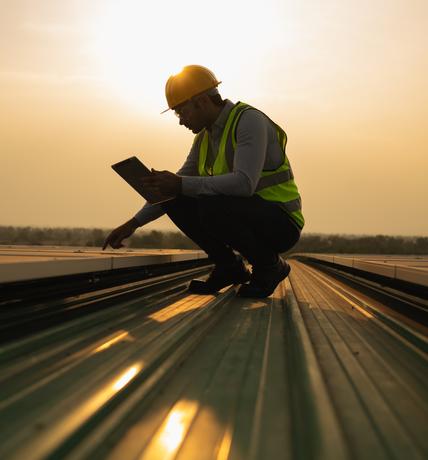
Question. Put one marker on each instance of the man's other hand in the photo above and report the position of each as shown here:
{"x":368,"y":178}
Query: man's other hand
{"x":162,"y":182}
{"x":120,"y":233}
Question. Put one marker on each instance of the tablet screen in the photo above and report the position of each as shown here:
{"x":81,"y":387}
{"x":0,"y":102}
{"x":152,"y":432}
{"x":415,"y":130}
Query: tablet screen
{"x":132,"y":170}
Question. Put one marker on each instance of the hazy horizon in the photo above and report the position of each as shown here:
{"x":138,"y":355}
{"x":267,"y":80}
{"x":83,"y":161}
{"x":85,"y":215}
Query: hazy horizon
{"x":171,"y":228}
{"x":81,"y":87}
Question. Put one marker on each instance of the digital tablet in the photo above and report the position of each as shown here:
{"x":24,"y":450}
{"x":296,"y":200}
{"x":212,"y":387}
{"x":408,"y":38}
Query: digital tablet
{"x":132,"y":170}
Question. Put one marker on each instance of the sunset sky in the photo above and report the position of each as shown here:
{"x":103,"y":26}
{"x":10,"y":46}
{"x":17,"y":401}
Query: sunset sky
{"x":82,"y":87}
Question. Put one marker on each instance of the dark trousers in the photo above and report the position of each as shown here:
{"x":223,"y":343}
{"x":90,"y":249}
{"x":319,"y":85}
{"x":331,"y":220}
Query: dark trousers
{"x":219,"y":224}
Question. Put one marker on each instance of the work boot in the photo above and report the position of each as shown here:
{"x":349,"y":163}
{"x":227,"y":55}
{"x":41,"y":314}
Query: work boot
{"x":264,"y":280}
{"x":220,"y":277}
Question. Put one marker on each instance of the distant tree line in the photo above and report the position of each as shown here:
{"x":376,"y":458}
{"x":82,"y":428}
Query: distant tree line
{"x":360,"y":244}
{"x":90,"y":237}
{"x":354,"y":244}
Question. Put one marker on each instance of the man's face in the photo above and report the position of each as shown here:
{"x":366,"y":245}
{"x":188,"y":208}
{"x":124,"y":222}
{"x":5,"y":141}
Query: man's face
{"x":191,"y":115}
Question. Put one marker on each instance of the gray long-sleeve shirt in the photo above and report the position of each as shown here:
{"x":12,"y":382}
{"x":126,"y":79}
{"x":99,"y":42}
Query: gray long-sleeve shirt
{"x":257,"y":148}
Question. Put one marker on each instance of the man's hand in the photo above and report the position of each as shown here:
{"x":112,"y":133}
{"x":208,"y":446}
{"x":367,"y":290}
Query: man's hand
{"x":162,"y":183}
{"x":120,"y":233}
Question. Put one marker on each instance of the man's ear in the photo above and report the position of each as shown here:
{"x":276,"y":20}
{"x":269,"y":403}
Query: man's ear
{"x":202,"y":101}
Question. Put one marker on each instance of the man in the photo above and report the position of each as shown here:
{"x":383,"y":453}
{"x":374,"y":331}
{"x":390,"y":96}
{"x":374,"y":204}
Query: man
{"x":234,"y":193}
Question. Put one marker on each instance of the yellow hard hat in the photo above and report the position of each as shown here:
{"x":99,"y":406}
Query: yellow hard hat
{"x":191,"y":81}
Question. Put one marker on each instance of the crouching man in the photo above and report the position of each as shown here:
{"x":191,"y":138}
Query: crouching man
{"x":234,"y":193}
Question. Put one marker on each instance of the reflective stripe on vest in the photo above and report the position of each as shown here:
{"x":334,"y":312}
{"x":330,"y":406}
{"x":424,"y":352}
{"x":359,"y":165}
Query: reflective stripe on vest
{"x":274,"y":179}
{"x":277,"y":185}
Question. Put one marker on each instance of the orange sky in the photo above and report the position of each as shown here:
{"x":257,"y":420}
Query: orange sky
{"x":81,"y":87}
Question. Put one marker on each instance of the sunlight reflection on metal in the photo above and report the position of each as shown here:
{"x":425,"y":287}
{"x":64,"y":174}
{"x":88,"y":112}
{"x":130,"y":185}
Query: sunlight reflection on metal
{"x":120,"y":336}
{"x":167,"y":440}
{"x":256,"y":304}
{"x":223,"y":452}
{"x":59,"y":430}
{"x":189,"y":303}
{"x":125,"y":378}
{"x":279,"y":292}
{"x":104,"y":394}
{"x":173,"y":432}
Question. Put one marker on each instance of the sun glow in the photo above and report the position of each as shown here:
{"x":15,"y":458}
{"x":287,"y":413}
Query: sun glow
{"x":137,"y":47}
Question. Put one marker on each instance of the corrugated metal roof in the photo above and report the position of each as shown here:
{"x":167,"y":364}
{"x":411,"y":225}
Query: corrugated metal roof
{"x":306,"y":373}
{"x":412,"y":269}
{"x":29,"y":262}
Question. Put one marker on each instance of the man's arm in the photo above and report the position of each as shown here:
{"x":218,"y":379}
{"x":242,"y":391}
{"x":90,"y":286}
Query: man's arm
{"x":148,"y":213}
{"x":151,"y":212}
{"x":250,"y":154}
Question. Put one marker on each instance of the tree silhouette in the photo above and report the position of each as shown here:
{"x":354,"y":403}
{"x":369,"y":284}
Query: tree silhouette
{"x":155,"y":239}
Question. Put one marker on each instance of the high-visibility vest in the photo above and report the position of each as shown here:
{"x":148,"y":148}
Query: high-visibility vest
{"x":274,"y":185}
